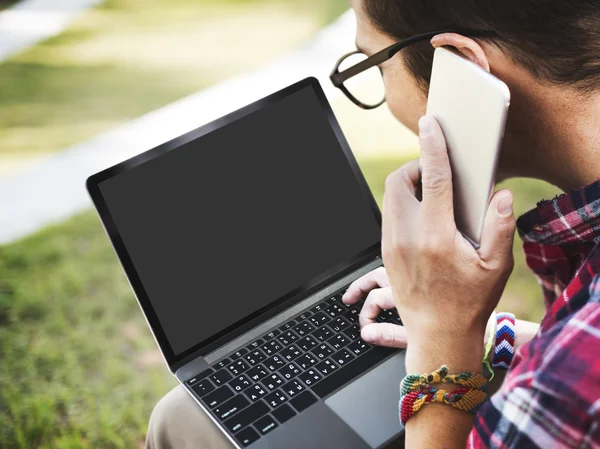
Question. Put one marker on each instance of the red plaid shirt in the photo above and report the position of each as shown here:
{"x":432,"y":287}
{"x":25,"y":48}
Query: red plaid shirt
{"x":551,"y":394}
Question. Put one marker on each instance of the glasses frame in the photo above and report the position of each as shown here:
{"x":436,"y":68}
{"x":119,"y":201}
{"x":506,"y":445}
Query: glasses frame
{"x":338,"y":78}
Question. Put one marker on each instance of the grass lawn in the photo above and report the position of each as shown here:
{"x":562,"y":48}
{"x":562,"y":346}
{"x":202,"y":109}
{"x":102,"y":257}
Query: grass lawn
{"x":128,"y":57}
{"x":79,"y":367}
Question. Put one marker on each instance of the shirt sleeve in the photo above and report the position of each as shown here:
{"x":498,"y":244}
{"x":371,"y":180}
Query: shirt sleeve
{"x":550,"y":396}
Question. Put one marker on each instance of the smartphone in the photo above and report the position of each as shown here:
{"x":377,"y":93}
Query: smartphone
{"x":471,"y":106}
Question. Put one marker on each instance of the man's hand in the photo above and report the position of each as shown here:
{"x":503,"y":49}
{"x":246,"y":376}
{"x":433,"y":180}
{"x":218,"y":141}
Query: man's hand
{"x":444,"y":289}
{"x":376,"y":287}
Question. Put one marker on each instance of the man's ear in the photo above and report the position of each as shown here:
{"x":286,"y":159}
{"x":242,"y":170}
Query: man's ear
{"x":465,"y":46}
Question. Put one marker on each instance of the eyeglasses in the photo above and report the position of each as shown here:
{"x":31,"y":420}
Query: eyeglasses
{"x":360,"y":77}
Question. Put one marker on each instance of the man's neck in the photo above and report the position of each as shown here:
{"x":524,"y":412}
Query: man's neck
{"x":555,"y":133}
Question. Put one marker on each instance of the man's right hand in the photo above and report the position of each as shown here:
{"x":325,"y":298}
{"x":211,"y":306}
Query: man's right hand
{"x":375,"y":287}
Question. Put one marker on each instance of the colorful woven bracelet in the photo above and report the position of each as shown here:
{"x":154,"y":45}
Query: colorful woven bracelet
{"x":414,"y":382}
{"x":504,"y":349}
{"x":490,"y":332}
{"x":465,"y":398}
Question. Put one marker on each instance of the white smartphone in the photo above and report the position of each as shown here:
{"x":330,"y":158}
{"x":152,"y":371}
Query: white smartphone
{"x":471,"y":106}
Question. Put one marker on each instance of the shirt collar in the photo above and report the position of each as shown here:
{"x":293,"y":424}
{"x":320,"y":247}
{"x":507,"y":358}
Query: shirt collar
{"x":570,"y":218}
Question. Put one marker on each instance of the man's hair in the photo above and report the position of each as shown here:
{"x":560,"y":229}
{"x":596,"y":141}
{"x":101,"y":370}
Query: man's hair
{"x":556,"y":40}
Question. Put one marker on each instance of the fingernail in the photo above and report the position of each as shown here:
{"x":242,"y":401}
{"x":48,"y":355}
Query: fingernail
{"x":367,"y":333}
{"x":425,"y":128}
{"x":505,"y":206}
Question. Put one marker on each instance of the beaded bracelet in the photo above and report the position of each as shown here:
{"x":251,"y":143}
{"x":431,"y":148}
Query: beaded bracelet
{"x":504,"y":349}
{"x":413,"y":382}
{"x":465,"y":398}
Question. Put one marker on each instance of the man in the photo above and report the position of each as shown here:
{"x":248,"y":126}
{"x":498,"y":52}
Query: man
{"x":547,"y":52}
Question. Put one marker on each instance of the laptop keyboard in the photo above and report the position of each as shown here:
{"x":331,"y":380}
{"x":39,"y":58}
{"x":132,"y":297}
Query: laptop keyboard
{"x":258,"y":388}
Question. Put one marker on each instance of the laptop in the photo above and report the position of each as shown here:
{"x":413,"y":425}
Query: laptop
{"x":239,"y":239}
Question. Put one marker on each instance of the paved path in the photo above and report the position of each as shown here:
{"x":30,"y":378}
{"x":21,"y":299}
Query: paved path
{"x":31,"y":21}
{"x":53,"y":189}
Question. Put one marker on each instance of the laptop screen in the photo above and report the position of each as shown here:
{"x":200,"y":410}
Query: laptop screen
{"x":227,"y":224}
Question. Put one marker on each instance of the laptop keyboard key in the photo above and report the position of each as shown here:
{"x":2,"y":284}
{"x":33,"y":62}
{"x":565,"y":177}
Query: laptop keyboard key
{"x":247,"y":416}
{"x":238,"y":354}
{"x":318,"y":307}
{"x":255,"y":344}
{"x":304,"y":316}
{"x":307,"y":343}
{"x":271,"y":335}
{"x":319,"y":319}
{"x":290,"y":371}
{"x":326,"y":367}
{"x":283,"y":413}
{"x":338,"y":342}
{"x":238,"y":367}
{"x":303,"y":401}
{"x":323,"y":333}
{"x":247,"y":436}
{"x":342,"y":357}
{"x":255,"y":357}
{"x":334,"y":310}
{"x":200,"y":376}
{"x":231,"y":407}
{"x":221,"y":377}
{"x":240,"y":383}
{"x":275,"y":362}
{"x":273,"y":381}
{"x":203,"y":387}
{"x":331,"y":300}
{"x":265,"y":424}
{"x":304,"y":328}
{"x":353,"y":332}
{"x":218,"y":396}
{"x":287,"y":338}
{"x":271,"y":347}
{"x":339,"y":324}
{"x":287,"y":326}
{"x":306,"y":361}
{"x":352,"y":315}
{"x":255,"y":392}
{"x":257,"y":373}
{"x":359,"y":347}
{"x":310,"y":377}
{"x":290,"y":353}
{"x":323,"y":351}
{"x":222,"y":364}
{"x":293,"y":388}
{"x":276,"y":398}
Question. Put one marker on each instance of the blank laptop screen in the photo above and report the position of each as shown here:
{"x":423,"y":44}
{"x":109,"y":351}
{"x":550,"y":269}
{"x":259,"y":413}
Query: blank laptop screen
{"x":230,"y":222}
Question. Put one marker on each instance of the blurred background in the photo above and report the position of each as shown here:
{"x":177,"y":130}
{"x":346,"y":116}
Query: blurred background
{"x":78,"y":366}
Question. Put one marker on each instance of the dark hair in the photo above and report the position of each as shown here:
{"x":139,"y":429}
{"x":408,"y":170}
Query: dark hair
{"x":556,"y":40}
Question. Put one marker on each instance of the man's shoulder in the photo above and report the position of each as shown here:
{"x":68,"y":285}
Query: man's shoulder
{"x":563,"y":360}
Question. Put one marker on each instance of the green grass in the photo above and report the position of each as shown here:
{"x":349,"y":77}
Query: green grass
{"x":78,"y":362}
{"x":129,"y":57}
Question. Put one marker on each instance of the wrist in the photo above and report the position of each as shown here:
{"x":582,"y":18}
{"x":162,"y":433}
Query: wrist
{"x":461,"y":352}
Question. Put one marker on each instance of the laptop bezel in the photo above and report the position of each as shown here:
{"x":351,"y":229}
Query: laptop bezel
{"x":235,"y":330}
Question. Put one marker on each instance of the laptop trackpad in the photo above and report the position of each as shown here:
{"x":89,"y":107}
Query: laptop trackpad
{"x":370,"y":404}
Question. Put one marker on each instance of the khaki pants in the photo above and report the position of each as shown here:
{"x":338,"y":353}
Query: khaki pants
{"x":177,"y":422}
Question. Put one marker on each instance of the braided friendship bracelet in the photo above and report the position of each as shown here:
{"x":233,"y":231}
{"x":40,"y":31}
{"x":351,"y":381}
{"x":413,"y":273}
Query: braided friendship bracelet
{"x":465,"y":398}
{"x":504,"y":349}
{"x":489,"y":343}
{"x":413,"y":382}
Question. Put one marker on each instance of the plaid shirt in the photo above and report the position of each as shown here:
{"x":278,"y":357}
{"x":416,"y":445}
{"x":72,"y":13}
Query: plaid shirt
{"x":551,"y":394}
